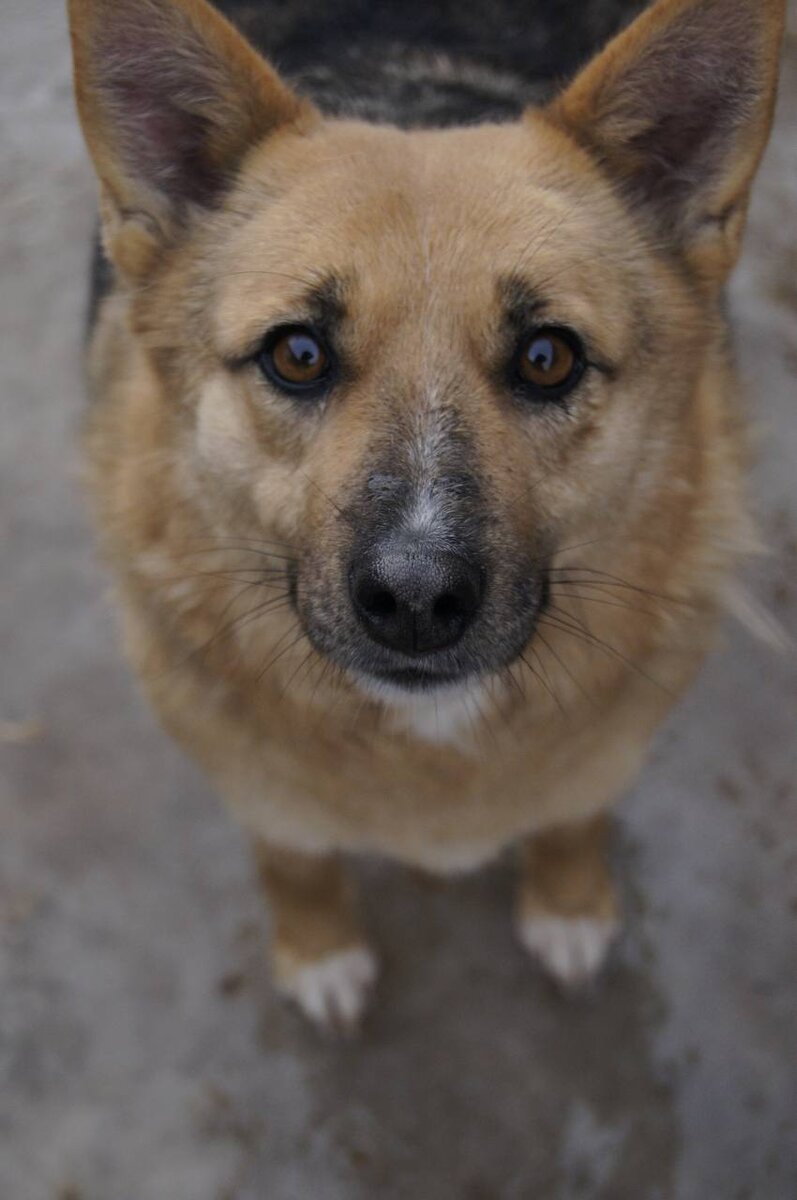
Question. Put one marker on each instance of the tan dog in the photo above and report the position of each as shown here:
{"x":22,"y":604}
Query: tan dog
{"x":415,"y":452}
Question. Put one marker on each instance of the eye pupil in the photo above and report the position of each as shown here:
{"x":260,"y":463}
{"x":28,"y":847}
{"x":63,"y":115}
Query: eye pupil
{"x":294,"y":359}
{"x":542,"y":354}
{"x":550,"y":361}
{"x":304,"y":350}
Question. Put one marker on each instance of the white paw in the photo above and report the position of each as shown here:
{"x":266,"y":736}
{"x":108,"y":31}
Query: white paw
{"x":334,"y":991}
{"x":571,"y":949}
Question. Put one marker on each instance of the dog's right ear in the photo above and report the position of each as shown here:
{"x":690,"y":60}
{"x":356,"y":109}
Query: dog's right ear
{"x":170,"y":98}
{"x":677,"y":110}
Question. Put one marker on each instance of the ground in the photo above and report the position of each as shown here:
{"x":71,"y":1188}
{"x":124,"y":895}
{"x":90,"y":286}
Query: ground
{"x":143,"y":1054}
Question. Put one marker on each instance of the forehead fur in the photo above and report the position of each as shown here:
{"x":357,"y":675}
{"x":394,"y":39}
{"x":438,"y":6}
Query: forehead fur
{"x":426,"y":222}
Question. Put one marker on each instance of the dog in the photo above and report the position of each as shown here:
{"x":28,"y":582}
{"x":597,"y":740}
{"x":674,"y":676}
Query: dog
{"x":414,"y":440}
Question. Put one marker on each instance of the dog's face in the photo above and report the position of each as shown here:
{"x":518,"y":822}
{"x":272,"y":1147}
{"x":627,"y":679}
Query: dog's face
{"x":430,"y":364}
{"x":438,"y":382}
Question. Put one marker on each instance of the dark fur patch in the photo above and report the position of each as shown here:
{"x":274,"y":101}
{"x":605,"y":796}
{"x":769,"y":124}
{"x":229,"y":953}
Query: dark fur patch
{"x":397,"y":479}
{"x":520,"y":302}
{"x":101,"y":281}
{"x":325,"y":302}
{"x":416,"y":63}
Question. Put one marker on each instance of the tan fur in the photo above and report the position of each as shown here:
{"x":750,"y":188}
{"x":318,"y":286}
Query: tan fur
{"x":564,"y":874}
{"x":312,"y":907}
{"x":195,"y":467}
{"x":567,"y":912}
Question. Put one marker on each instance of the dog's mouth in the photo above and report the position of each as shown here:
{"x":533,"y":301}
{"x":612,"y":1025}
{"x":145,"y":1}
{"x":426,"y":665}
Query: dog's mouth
{"x":417,"y":679}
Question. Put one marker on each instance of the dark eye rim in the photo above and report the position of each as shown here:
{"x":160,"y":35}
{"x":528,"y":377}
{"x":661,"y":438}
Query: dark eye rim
{"x":310,"y":388}
{"x":539,"y":392}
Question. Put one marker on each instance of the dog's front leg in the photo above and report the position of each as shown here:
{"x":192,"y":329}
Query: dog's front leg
{"x":567,"y":911}
{"x":320,"y":958}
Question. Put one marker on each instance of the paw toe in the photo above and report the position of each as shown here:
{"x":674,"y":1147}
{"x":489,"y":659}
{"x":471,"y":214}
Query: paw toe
{"x":334,"y":991}
{"x":571,"y":949}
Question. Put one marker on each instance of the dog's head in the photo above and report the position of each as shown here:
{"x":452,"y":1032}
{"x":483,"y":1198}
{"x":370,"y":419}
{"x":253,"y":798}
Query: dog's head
{"x":428,"y":363}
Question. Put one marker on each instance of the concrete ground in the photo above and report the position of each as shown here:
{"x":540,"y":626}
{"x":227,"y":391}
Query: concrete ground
{"x":143,"y":1055}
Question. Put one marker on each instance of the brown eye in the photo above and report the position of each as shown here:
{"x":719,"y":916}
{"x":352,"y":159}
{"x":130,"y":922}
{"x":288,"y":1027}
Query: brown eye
{"x":550,"y":360}
{"x":295,"y":359}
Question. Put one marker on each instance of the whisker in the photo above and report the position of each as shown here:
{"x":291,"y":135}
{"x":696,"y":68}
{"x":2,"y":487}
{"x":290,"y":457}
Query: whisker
{"x":325,"y":670}
{"x":504,"y":709}
{"x":541,"y":681}
{"x":240,"y":546}
{"x":564,"y":667}
{"x":262,"y":579}
{"x":579,"y":546}
{"x":303,"y":663}
{"x":274,"y":604}
{"x":275,"y":659}
{"x":544,"y":671}
{"x":607,"y":580}
{"x":485,"y":720}
{"x":577,"y":630}
{"x":608,"y":603}
{"x":198,"y":652}
{"x":510,"y":674}
{"x":328,"y":499}
{"x":473,"y":724}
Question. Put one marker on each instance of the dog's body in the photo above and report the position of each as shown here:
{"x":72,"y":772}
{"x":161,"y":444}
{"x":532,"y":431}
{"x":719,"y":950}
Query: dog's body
{"x":576,"y":549}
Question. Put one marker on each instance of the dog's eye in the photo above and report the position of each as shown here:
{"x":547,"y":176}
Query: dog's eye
{"x":294,"y":358}
{"x":550,"y":362}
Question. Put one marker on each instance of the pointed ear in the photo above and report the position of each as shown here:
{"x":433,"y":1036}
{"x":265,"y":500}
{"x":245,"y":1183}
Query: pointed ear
{"x":678,"y":109}
{"x":170,"y":98}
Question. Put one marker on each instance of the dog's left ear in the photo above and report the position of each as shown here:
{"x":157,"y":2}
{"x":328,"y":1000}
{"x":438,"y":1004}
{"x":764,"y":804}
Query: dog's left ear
{"x":171,"y":98}
{"x":677,"y":110}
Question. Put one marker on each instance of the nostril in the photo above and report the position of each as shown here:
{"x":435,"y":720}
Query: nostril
{"x":380,"y":603}
{"x":375,"y":601}
{"x":447,"y":607}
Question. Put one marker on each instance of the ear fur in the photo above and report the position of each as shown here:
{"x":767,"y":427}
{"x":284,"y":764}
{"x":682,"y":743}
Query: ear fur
{"x":678,"y":109}
{"x":170,"y":98}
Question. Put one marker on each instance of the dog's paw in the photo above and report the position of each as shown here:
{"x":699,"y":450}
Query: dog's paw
{"x":333,"y":992}
{"x":571,"y":949}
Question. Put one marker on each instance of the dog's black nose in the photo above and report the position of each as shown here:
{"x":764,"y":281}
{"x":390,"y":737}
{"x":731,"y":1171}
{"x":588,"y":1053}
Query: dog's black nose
{"x":414,"y":600}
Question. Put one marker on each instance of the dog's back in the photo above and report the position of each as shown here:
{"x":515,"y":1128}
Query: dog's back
{"x":412,"y":62}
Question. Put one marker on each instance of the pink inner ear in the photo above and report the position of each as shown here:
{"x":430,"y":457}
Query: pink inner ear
{"x":166,"y":145}
{"x":160,"y":99}
{"x":688,"y":93}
